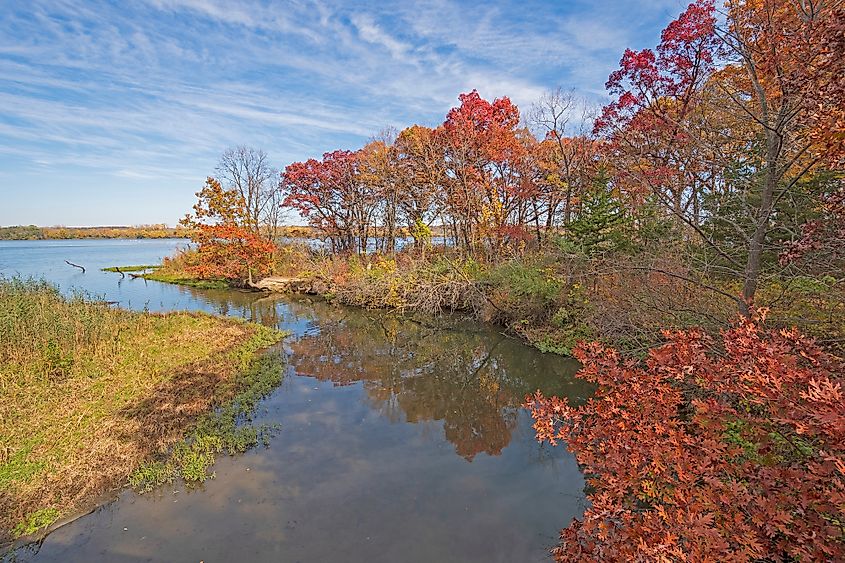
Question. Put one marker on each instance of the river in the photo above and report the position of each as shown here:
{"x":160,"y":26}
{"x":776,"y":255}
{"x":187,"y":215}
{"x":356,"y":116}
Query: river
{"x":400,"y":439}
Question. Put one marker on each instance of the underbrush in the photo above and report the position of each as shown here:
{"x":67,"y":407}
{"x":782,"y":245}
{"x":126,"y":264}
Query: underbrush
{"x":552,"y":299}
{"x":815,"y":305}
{"x":405,"y":283}
{"x":88,"y":392}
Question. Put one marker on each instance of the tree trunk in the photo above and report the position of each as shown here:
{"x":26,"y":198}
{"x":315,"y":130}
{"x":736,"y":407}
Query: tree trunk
{"x":758,"y":239}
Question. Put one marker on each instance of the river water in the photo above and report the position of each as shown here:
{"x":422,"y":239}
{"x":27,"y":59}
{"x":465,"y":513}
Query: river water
{"x":399,"y":440}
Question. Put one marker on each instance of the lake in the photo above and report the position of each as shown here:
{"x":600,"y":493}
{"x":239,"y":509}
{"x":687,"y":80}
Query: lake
{"x":401,"y":439}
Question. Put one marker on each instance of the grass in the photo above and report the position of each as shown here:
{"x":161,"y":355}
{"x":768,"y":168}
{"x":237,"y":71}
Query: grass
{"x":183,"y":279}
{"x":227,"y":429}
{"x":89,"y":393}
{"x":127,"y":269}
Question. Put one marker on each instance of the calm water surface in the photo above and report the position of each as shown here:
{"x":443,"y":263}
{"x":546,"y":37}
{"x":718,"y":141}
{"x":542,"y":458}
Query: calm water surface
{"x":400,"y":440}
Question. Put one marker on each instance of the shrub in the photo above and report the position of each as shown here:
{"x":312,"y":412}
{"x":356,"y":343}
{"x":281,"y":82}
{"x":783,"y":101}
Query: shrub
{"x":735,"y":452}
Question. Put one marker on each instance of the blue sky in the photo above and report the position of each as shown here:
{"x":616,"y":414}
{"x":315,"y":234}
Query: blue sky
{"x":114,"y":112}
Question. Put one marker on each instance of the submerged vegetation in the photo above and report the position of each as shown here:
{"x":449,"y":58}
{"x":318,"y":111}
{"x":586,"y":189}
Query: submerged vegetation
{"x":89,"y":393}
{"x":227,"y":429}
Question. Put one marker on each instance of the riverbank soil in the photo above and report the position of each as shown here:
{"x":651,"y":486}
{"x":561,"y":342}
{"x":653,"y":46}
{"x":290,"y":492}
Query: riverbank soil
{"x":89,"y":392}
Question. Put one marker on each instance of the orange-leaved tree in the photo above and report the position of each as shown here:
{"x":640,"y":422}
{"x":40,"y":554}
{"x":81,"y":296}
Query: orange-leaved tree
{"x":733,"y":452}
{"x":227,"y":248}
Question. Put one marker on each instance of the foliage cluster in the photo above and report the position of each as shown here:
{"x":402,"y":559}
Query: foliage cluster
{"x":707,"y":453}
{"x":229,"y":242}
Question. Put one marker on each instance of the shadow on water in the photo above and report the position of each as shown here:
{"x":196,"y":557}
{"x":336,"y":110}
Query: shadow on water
{"x":401,"y":440}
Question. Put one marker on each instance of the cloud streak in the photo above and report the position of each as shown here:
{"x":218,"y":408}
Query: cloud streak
{"x":137,"y":96}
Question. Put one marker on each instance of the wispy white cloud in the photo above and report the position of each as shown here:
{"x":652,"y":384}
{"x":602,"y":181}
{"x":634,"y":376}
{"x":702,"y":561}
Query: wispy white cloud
{"x":151,"y":92}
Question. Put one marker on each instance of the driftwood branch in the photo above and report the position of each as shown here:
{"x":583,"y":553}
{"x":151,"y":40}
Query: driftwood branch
{"x":75,"y":265}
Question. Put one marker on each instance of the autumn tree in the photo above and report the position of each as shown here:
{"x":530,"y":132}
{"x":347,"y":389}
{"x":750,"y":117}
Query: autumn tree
{"x":702,"y":453}
{"x":657,"y":92}
{"x":566,"y":158}
{"x":823,"y":74}
{"x":227,"y":247}
{"x":715,"y":117}
{"x":485,"y":152}
{"x":422,"y":171}
{"x":379,"y":171}
{"x":330,"y":193}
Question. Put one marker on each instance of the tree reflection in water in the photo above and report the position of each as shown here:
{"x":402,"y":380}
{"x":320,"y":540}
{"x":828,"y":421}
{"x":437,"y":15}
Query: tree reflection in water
{"x":413,"y":370}
{"x":437,"y":370}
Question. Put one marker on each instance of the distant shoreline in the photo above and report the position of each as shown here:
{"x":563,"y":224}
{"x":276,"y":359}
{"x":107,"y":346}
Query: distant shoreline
{"x":33,"y":232}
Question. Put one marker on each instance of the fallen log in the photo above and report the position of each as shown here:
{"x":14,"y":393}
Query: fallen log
{"x":276,"y":284}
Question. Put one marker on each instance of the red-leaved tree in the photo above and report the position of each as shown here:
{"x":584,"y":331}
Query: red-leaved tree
{"x":331,"y":194}
{"x":230,"y":252}
{"x":228,"y":246}
{"x":707,"y":453}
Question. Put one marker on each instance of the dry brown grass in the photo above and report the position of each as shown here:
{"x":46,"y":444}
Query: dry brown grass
{"x":88,"y":392}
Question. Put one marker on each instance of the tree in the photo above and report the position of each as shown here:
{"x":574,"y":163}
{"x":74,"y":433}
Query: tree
{"x":748,"y":146}
{"x":379,"y":171}
{"x":566,"y":158}
{"x":332,"y":195}
{"x":226,"y":251}
{"x":656,"y":95}
{"x":422,"y":174}
{"x":705,"y":453}
{"x":485,"y":155}
{"x":824,"y":75}
{"x":247,"y":172}
{"x":226,"y":247}
{"x":216,"y":205}
{"x":600,"y":225}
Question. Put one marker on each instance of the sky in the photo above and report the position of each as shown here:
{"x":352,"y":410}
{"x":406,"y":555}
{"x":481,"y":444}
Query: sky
{"x":114,"y":113}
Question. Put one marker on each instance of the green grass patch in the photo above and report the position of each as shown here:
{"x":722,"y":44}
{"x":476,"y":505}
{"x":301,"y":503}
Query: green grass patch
{"x":228,"y":429}
{"x":36,"y":521}
{"x":181,"y":279}
{"x":128,"y":269}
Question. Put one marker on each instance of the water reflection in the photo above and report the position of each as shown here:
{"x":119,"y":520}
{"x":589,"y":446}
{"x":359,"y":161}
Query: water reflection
{"x":472,"y":380}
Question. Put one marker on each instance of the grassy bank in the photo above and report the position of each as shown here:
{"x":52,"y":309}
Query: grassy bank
{"x":181,"y":278}
{"x":131,"y":269}
{"x":89,"y":394}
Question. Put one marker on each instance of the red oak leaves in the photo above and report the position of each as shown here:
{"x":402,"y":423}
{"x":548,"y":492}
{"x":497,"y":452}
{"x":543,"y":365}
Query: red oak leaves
{"x":707,"y":453}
